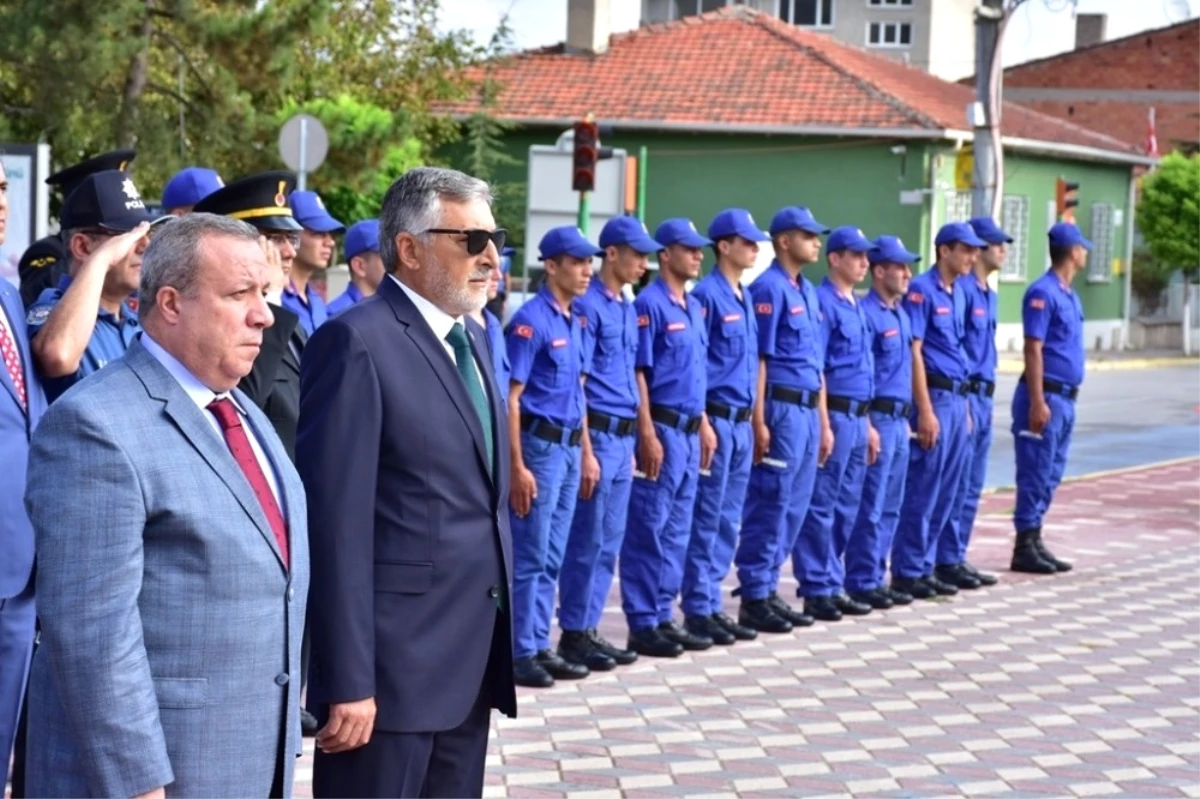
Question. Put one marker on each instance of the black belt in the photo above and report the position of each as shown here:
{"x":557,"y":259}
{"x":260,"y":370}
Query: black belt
{"x":549,"y":431}
{"x":722,"y":411}
{"x":1055,"y":387}
{"x":673,"y":418}
{"x":852,"y":407}
{"x":805,"y":399}
{"x":937,"y":381}
{"x":604,"y":423}
{"x":984,"y":388}
{"x":892,"y":407}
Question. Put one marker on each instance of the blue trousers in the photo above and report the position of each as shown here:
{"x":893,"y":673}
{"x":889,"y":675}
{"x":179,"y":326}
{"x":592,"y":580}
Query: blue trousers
{"x":717,"y":518}
{"x":879,"y":512}
{"x":1040,"y":461}
{"x":777,"y":497}
{"x":656,"y":537}
{"x":539,"y":541}
{"x":825,"y":534}
{"x":930,"y":488}
{"x":17,"y":626}
{"x":597,"y":532}
{"x":955,"y":539}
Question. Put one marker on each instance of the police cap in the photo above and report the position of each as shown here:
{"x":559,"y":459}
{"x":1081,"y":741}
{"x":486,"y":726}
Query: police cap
{"x":261,"y":200}
{"x":69,"y":179}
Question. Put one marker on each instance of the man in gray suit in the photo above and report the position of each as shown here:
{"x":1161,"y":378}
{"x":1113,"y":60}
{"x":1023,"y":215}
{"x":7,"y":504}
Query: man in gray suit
{"x":173,"y":572}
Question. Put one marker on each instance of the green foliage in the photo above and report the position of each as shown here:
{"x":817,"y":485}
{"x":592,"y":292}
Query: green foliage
{"x":1168,"y":214}
{"x":1149,"y":278}
{"x":352,"y":205}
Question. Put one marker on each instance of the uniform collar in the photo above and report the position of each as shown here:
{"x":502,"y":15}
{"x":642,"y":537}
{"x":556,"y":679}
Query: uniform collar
{"x":935,"y":278}
{"x":851,"y":300}
{"x":597,"y":285}
{"x":875,"y":296}
{"x":549,"y":299}
{"x":796,"y":283}
{"x":680,"y":302}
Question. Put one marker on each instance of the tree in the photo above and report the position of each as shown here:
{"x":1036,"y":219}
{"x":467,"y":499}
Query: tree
{"x":1169,"y":213}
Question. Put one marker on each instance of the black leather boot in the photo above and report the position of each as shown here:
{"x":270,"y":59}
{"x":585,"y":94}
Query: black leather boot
{"x":1026,"y":557}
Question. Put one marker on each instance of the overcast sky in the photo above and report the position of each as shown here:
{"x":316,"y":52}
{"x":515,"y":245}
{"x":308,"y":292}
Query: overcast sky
{"x":1038,"y":29}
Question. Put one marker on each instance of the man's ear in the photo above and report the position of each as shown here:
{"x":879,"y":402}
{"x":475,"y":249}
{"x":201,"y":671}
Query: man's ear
{"x":407,"y":251}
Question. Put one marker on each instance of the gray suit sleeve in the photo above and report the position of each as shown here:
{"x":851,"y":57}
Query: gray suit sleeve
{"x":85,"y":500}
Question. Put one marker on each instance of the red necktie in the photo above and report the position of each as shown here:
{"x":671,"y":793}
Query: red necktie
{"x":12,"y":362}
{"x":239,"y":444}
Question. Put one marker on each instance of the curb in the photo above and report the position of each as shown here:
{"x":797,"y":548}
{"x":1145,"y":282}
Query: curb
{"x":1014,"y":366}
{"x":1081,"y":478}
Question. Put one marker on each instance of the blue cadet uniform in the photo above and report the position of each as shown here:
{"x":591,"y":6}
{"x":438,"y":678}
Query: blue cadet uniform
{"x":883,"y":487}
{"x":732,"y":377}
{"x":545,"y":350}
{"x":788,"y":315}
{"x":1052,"y":314}
{"x":109,"y":201}
{"x":309,"y":211}
{"x":500,"y":365}
{"x":610,"y":343}
{"x":849,"y":387}
{"x":938,"y":315}
{"x":672,"y":341}
{"x":980,"y":343}
{"x":364,"y":237}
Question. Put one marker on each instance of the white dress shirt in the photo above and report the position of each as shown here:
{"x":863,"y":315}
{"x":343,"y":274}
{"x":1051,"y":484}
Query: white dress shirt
{"x":203,"y":396}
{"x":440,"y":323}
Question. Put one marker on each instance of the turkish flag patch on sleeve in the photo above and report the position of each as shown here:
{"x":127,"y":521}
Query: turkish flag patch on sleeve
{"x":764,"y":308}
{"x":643,"y":321}
{"x":1038,"y":303}
{"x":916,"y":296}
{"x":524,"y":331}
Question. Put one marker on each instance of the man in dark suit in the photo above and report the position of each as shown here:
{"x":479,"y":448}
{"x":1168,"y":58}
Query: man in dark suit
{"x":403,"y":448}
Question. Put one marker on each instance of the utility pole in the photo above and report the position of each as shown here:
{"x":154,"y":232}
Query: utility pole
{"x":985,"y":113}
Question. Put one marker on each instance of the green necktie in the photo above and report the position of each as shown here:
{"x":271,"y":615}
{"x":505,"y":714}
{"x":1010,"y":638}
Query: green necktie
{"x":457,"y":338}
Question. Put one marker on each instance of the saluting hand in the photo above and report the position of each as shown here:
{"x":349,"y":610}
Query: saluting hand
{"x":116,"y":250}
{"x":350,"y":726}
{"x":524,"y":491}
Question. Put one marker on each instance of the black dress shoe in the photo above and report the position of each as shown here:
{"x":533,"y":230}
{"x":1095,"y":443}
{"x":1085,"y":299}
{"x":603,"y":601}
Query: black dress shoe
{"x":560,"y":669}
{"x":622,"y":657}
{"x":529,"y":673}
{"x":874,"y":598}
{"x":651,"y":643}
{"x":940,"y":588}
{"x":983,"y":577}
{"x":576,"y":647}
{"x":822,"y":608}
{"x":954,"y":574}
{"x":738,"y":631}
{"x":850,"y":607}
{"x":785,"y":611}
{"x":308,"y":724}
{"x":1026,"y":558}
{"x":758,"y":615}
{"x":1059,"y":565}
{"x":689,"y":641}
{"x":705,"y":627}
{"x":897,"y":596}
{"x":914,"y":587}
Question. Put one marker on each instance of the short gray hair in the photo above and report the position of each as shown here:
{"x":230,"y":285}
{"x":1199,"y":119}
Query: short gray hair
{"x":173,"y":256}
{"x":413,"y":204}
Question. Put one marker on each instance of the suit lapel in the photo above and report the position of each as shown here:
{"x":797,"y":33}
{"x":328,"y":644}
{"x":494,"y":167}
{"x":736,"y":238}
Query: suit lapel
{"x":439,"y":359}
{"x":200,"y":434}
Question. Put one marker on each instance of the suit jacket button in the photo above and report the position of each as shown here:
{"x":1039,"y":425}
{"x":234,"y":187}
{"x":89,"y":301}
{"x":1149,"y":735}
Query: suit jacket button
{"x":281,"y":679}
{"x":291,"y":594}
{"x":494,"y":591}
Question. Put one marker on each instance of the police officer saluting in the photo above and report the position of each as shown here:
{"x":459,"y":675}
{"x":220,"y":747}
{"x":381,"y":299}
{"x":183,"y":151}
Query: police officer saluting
{"x":791,"y":435}
{"x":883,"y":487}
{"x":937,"y":311}
{"x":546,"y":424}
{"x":87,"y":320}
{"x":732,"y":386}
{"x":1043,"y":408}
{"x":675,"y":441}
{"x":610,"y":342}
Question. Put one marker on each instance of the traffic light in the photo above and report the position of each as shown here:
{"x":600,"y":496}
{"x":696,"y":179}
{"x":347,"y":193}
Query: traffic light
{"x":1065,"y":201}
{"x":587,"y":152}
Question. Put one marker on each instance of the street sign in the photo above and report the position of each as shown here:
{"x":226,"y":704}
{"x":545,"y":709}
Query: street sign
{"x":303,"y":145}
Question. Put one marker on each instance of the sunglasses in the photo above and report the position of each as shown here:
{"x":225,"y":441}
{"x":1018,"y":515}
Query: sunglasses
{"x":475,"y":238}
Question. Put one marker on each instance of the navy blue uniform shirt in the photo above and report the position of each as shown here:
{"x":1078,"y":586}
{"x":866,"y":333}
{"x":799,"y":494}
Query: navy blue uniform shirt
{"x":891,"y":343}
{"x":672,"y":346}
{"x":937,"y":313}
{"x":789,"y":329}
{"x":849,"y":371}
{"x":545,"y":352}
{"x":732,"y":341}
{"x":1053,"y":315}
{"x":980,"y":338}
{"x":610,"y":342}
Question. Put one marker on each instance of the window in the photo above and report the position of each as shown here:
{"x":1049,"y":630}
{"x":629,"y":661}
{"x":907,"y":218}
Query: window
{"x":886,"y":3}
{"x":809,"y":13}
{"x":1101,"y":257}
{"x":1014,"y":218}
{"x":889,"y":34}
{"x":958,"y":206}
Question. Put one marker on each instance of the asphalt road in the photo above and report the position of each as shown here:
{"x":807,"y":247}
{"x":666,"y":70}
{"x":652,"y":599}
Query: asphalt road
{"x":1126,"y":417}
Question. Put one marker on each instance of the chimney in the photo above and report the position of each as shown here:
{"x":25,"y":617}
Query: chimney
{"x":588,"y":25}
{"x":1089,"y":29}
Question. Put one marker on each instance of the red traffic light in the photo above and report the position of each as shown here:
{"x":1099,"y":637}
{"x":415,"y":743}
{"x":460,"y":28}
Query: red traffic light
{"x":1065,"y":201}
{"x":587,"y":152}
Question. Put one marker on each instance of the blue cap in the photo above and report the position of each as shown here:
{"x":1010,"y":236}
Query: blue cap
{"x":680,"y":231}
{"x":735,"y":222}
{"x":987,"y":229}
{"x":630,"y":231}
{"x":890,"y":250}
{"x":310,"y":212}
{"x":795,"y":217}
{"x":567,"y":240}
{"x":190,"y":186}
{"x":508,"y":252}
{"x":106,"y":200}
{"x":960,"y":232}
{"x":362,"y":237}
{"x":848,"y":238}
{"x":1066,"y":234}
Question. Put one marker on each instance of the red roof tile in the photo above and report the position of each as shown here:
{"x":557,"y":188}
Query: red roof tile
{"x":740,"y":68}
